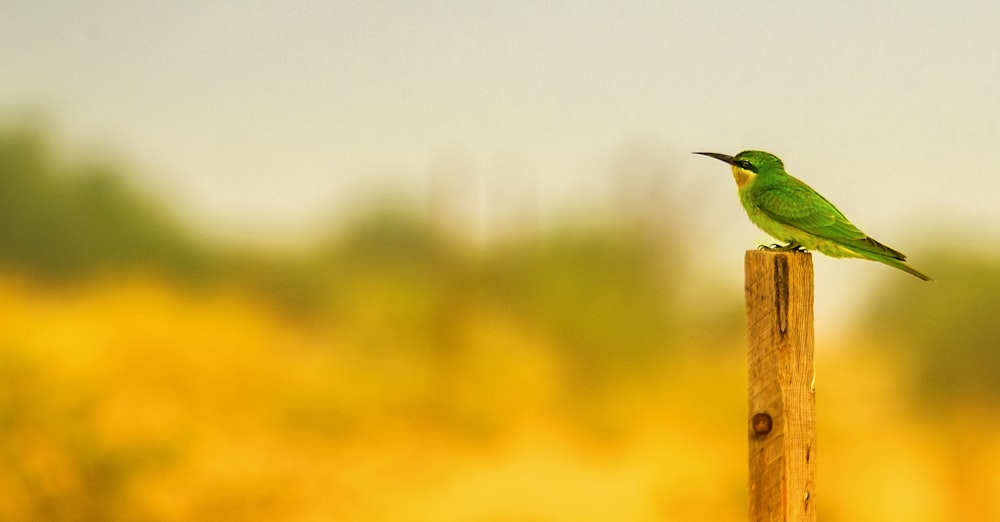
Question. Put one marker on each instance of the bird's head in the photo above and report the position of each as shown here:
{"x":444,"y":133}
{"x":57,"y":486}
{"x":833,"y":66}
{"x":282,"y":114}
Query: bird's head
{"x":748,"y":164}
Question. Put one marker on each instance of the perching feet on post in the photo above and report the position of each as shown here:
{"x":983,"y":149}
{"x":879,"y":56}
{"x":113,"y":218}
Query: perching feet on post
{"x":791,"y":247}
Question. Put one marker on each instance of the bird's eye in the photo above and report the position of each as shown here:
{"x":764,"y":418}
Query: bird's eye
{"x":744,"y":164}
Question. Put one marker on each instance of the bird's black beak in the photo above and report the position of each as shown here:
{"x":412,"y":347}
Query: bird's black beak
{"x":721,"y":157}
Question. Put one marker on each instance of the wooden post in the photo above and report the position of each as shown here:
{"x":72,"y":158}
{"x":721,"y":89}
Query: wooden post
{"x":782,"y":422}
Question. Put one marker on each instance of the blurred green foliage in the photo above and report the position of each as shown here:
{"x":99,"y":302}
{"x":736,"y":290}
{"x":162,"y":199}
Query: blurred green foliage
{"x":947,"y":331}
{"x":601,"y":294}
{"x":62,"y":222}
{"x":604,"y":293}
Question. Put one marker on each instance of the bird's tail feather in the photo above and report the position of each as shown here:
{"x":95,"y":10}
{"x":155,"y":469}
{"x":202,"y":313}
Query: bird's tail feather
{"x":871,"y":246}
{"x":897,"y":263}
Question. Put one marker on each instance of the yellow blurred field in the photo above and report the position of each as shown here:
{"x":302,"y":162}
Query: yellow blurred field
{"x":131,"y":399}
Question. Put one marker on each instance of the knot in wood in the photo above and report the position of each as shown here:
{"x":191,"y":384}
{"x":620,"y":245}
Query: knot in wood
{"x":761,"y":424}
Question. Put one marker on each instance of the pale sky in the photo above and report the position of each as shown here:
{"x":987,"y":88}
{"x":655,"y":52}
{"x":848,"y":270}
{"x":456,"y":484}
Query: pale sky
{"x":271,"y":115}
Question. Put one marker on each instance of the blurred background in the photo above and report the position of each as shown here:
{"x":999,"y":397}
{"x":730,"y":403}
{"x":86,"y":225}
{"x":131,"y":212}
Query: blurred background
{"x":447,"y":261}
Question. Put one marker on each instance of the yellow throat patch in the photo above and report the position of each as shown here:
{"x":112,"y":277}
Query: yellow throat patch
{"x":742,"y":176}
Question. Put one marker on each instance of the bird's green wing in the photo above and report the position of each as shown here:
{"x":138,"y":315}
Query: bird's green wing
{"x":796,"y":204}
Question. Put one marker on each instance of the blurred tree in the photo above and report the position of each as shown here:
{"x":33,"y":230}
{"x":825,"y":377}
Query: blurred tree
{"x":391,"y":274}
{"x":601,"y":292}
{"x":63,"y":222}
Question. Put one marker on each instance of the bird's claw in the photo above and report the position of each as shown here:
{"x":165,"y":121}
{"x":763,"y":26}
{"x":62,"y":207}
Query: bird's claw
{"x":791,"y":247}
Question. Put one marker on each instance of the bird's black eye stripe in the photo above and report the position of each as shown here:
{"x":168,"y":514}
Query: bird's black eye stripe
{"x":745,"y":165}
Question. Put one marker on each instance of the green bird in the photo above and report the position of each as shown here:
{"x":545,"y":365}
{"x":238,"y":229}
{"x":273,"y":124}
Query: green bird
{"x":791,"y":211}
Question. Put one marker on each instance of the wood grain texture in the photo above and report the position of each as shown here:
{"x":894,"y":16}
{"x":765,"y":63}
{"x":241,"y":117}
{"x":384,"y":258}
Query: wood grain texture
{"x":782,"y":419}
